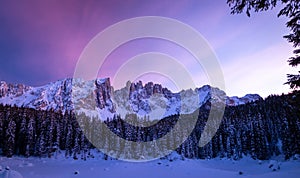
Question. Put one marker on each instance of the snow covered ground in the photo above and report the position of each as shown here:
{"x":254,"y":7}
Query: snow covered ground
{"x":17,"y":167}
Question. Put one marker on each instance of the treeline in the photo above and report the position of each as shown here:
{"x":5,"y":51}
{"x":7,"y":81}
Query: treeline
{"x":30,"y":132}
{"x":260,"y":130}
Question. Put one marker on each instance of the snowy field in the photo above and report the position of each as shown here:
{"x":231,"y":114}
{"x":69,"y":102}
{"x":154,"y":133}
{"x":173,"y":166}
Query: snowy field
{"x":17,"y":167}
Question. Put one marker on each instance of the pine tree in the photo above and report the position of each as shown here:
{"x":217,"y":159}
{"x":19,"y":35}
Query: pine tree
{"x":21,"y":136}
{"x":30,"y":134}
{"x":69,"y":137}
{"x":57,"y":136}
{"x":10,"y":138}
{"x":50,"y":132}
{"x":2,"y":117}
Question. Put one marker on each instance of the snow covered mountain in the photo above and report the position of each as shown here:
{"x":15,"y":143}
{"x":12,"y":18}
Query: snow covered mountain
{"x":94,"y":97}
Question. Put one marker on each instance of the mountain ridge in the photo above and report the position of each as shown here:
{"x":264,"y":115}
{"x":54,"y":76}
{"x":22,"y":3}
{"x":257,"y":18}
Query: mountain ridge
{"x":98,"y":96}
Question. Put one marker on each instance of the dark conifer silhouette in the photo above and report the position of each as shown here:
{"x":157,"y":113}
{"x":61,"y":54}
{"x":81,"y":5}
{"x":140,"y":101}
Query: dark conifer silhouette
{"x":291,"y":11}
{"x":260,"y":129}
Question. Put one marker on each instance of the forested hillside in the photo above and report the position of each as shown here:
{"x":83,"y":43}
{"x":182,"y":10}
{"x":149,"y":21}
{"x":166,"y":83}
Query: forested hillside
{"x":259,"y":129}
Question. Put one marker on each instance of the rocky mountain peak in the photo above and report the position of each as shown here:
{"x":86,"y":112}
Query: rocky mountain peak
{"x":103,"y":93}
{"x":92,"y":97}
{"x":7,"y":89}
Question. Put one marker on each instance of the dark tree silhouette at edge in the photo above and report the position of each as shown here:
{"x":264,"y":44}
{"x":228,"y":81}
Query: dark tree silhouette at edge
{"x":291,"y":10}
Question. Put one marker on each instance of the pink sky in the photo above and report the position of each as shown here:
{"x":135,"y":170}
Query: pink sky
{"x":41,"y":41}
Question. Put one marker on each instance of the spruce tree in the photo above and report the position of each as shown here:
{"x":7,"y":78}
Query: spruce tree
{"x":10,"y":138}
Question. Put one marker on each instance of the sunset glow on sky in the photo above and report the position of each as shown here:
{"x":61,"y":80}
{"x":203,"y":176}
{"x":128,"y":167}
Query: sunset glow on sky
{"x":41,"y":41}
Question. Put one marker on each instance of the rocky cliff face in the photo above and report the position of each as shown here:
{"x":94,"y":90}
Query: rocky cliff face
{"x":11,"y":90}
{"x":94,"y":97}
{"x":158,"y":102}
{"x":234,"y":100}
{"x":103,"y":94}
{"x":51,"y":96}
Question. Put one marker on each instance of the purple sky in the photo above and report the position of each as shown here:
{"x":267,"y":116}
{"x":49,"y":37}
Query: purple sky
{"x":41,"y":41}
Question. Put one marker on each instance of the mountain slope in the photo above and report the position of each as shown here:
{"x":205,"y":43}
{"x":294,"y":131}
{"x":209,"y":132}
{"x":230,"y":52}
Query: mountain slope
{"x":94,"y":97}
